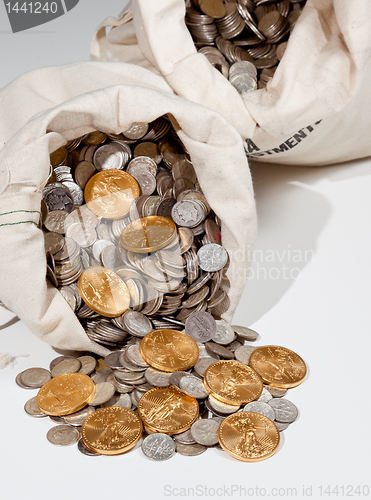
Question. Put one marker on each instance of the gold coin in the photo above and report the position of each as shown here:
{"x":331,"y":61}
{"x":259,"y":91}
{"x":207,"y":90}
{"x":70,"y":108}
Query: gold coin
{"x":232,"y":382}
{"x":278,"y":366}
{"x":167,"y":410}
{"x":148,"y":234}
{"x":248,"y":436}
{"x":169,"y":350}
{"x":104,"y":291}
{"x":111,"y":431}
{"x":110,"y":193}
{"x":65,"y":394}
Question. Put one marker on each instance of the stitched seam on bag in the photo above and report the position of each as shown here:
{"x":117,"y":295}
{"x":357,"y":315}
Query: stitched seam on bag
{"x":25,"y":211}
{"x":22,"y":222}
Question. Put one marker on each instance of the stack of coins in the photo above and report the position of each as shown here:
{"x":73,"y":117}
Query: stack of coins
{"x":249,"y":30}
{"x":178,"y":391}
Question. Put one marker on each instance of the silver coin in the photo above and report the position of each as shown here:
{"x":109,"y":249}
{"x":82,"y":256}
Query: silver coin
{"x":84,"y":234}
{"x":88,"y":364}
{"x":69,"y":296}
{"x":220,"y":350}
{"x":277,"y":392}
{"x":133,"y":353}
{"x":265,"y":396}
{"x":76,"y":192}
{"x":32,"y":408}
{"x":202,"y":364}
{"x":98,"y":248}
{"x":103,"y":392}
{"x":76,"y":419}
{"x":85,"y":450}
{"x":176,"y":377}
{"x":110,"y":156}
{"x":281,"y":426}
{"x":286,"y":412}
{"x":63,"y":435}
{"x":262,"y":408}
{"x":157,"y":378}
{"x":158,"y":447}
{"x":245,"y":333}
{"x":55,"y":221}
{"x":120,"y":400}
{"x":201,"y":326}
{"x":101,"y":376}
{"x":137,"y":323}
{"x":193,"y":386}
{"x":142,"y":163}
{"x":113,"y":360}
{"x":136,"y":131}
{"x":185,"y":437}
{"x":205,"y":431}
{"x":224,"y":333}
{"x":190,"y":450}
{"x":212,"y":257}
{"x":35,"y":377}
{"x":188,"y":213}
{"x":243,"y":353}
{"x":146,"y":181}
{"x":220,"y":407}
{"x":70,"y":365}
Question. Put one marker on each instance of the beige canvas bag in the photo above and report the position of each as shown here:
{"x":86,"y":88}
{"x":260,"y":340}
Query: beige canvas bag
{"x":315,"y":109}
{"x":44,"y":109}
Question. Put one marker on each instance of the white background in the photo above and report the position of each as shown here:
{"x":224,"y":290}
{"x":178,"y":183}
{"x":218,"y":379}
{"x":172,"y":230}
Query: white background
{"x":309,"y":292}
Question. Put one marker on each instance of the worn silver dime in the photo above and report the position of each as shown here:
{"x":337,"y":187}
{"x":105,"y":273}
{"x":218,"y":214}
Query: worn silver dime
{"x":103,"y":393}
{"x":212,"y":257}
{"x":185,"y":437}
{"x":53,"y":242}
{"x":54,"y":221}
{"x":286,"y":412}
{"x":245,"y":333}
{"x":190,"y":450}
{"x":111,"y":156}
{"x":188,"y":213}
{"x":63,"y":435}
{"x":136,"y":131}
{"x":157,"y":378}
{"x":137,"y":323}
{"x":262,"y":408}
{"x":113,"y":360}
{"x":205,"y":431}
{"x":202,"y":364}
{"x":281,"y":426}
{"x":220,"y":407}
{"x":140,"y":163}
{"x":201,"y":326}
{"x":85,"y":450}
{"x":133,"y":353}
{"x":88,"y":364}
{"x":158,"y":446}
{"x":77,"y":419}
{"x":265,"y":396}
{"x":277,"y":392}
{"x":35,"y":378}
{"x":70,"y":365}
{"x":243,"y":353}
{"x":193,"y":386}
{"x":224,"y":333}
{"x":32,"y":408}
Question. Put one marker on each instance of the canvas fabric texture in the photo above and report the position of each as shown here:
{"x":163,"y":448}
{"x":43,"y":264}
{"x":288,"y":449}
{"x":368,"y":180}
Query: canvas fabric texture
{"x":315,"y":109}
{"x":44,"y":109}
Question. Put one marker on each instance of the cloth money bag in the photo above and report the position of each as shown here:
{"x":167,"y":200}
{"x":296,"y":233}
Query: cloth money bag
{"x":315,"y":109}
{"x":44,"y":109}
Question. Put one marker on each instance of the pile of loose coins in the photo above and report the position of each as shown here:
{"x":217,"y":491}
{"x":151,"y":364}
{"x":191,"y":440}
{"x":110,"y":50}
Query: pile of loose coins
{"x":243,"y":39}
{"x":172,"y":391}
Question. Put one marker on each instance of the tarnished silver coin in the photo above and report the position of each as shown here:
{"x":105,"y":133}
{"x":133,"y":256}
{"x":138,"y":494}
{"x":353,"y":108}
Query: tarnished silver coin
{"x":157,"y":378}
{"x":140,"y":163}
{"x":277,"y":392}
{"x":137,"y":323}
{"x":286,"y":411}
{"x":70,"y":365}
{"x":136,"y":131}
{"x":103,"y":392}
{"x":120,"y":400}
{"x":113,"y":360}
{"x":34,"y":378}
{"x":176,"y":377}
{"x":245,"y":333}
{"x":158,"y":446}
{"x":77,"y":419}
{"x":218,"y":349}
{"x":185,"y":437}
{"x":205,"y":431}
{"x":55,"y":221}
{"x":201,"y":326}
{"x":111,"y":156}
{"x":133,"y":353}
{"x":193,"y":386}
{"x":281,"y":426}
{"x":188,"y":213}
{"x":243,"y":353}
{"x":53,"y":242}
{"x":101,"y":376}
{"x":63,"y":435}
{"x":220,"y":407}
{"x":85,"y":450}
{"x":224,"y":333}
{"x":88,"y":364}
{"x":32,"y":408}
{"x":262,"y":408}
{"x":212,"y":257}
{"x":265,"y":396}
{"x":190,"y":450}
{"x":202,"y":364}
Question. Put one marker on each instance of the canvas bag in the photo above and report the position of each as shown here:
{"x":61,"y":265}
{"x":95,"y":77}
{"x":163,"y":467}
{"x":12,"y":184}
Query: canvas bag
{"x":44,"y":109}
{"x":315,"y":109}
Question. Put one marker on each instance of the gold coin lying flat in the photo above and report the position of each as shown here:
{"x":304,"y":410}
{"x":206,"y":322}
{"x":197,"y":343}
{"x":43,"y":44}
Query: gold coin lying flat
{"x":104,"y":291}
{"x":278,"y":366}
{"x":111,"y":431}
{"x":248,"y":436}
{"x":65,"y":394}
{"x":110,"y":193}
{"x":148,"y":234}
{"x":169,"y":350}
{"x":232,"y":382}
{"x":167,"y":410}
